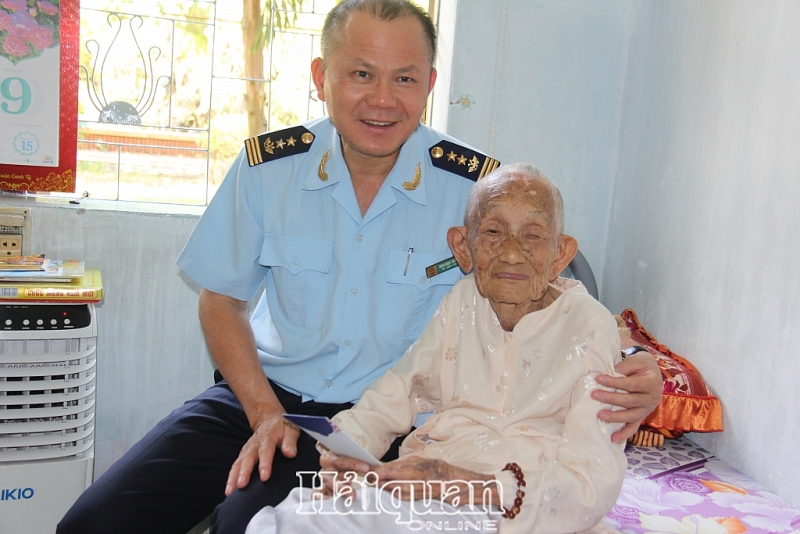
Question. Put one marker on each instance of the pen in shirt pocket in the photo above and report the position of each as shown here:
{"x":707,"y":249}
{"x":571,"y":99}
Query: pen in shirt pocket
{"x":408,"y":259}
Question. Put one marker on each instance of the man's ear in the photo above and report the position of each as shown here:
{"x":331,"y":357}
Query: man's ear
{"x":318,"y":76}
{"x":432,"y":80}
{"x":566,"y":250}
{"x":457,"y":239}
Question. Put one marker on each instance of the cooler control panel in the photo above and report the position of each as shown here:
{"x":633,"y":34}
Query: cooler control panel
{"x":22,"y":317}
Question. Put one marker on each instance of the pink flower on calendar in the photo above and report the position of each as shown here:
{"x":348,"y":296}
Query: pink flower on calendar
{"x":41,"y":38}
{"x":46,"y":7}
{"x":22,"y":25}
{"x":14,"y":46}
{"x":14,"y":5}
{"x":27,"y":28}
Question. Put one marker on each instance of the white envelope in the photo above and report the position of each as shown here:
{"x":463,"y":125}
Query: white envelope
{"x":326,"y":432}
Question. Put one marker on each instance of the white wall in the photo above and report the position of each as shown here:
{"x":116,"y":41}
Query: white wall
{"x":542,"y":82}
{"x":151,"y":356}
{"x":705,"y":229}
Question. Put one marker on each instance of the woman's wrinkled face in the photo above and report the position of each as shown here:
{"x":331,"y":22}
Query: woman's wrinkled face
{"x":513,"y":247}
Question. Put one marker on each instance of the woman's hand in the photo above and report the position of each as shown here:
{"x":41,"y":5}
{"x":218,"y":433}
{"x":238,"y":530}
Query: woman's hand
{"x":337,"y":472}
{"x":414,"y":478}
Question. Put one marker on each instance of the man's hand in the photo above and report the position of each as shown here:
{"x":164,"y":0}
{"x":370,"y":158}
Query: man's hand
{"x":643,"y":384}
{"x":231,"y":342}
{"x":272,"y":432}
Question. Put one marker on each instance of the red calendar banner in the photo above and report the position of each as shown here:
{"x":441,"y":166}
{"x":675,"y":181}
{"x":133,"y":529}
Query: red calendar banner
{"x":39,"y":52}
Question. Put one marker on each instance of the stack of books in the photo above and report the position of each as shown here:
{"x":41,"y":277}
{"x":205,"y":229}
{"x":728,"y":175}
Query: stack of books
{"x":40,"y":279}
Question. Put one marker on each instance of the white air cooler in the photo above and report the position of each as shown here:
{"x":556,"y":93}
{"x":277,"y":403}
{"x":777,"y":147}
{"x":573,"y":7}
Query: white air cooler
{"x":47,"y":396}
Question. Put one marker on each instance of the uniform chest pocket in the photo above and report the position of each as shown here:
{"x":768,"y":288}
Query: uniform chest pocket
{"x":409,"y":297}
{"x":301,"y":271}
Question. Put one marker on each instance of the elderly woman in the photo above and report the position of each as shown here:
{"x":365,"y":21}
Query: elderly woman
{"x":507,"y":363}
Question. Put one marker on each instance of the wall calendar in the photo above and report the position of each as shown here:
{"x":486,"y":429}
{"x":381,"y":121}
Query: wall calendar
{"x":39,"y":41}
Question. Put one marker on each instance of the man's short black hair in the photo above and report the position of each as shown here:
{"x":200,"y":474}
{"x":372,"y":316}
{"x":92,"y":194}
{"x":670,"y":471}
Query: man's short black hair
{"x":382,"y":9}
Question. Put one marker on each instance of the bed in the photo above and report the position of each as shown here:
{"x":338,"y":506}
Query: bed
{"x":681,"y":488}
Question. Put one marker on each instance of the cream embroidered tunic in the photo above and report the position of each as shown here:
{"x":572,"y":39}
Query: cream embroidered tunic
{"x":500,"y":397}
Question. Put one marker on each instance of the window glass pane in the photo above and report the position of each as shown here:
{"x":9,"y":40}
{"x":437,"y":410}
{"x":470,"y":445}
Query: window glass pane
{"x":292,"y":96}
{"x":228,"y":128}
{"x":165,"y":91}
{"x":97,"y":168}
{"x":163,"y":175}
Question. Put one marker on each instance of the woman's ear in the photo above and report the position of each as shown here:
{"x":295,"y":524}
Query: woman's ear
{"x":565,"y":251}
{"x":457,"y":239}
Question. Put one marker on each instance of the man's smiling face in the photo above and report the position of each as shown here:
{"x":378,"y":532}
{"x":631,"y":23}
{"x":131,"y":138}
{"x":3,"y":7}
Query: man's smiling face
{"x":376,"y":83}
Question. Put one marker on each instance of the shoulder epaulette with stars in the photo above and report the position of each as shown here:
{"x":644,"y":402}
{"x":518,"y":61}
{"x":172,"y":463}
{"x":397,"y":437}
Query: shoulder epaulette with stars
{"x":276,"y":145}
{"x":461,"y":160}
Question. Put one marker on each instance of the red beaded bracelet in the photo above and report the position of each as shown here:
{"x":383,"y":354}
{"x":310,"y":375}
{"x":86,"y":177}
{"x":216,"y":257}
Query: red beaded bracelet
{"x":517,"y":471}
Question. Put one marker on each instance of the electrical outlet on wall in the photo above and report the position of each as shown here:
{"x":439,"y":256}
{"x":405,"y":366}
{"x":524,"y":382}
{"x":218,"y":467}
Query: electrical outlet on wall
{"x":10,"y":245}
{"x":15,"y":231}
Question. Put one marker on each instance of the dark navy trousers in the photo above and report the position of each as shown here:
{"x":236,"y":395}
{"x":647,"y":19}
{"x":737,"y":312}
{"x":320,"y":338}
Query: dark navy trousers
{"x":175,"y":476}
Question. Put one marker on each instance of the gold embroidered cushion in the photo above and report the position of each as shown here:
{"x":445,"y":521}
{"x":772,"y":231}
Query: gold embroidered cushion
{"x":687,"y":404}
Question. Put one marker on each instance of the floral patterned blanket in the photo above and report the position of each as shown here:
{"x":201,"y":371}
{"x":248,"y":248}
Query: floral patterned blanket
{"x":682,"y":489}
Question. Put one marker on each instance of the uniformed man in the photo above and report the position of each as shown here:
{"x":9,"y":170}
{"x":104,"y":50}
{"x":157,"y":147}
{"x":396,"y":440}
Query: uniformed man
{"x":342,"y":219}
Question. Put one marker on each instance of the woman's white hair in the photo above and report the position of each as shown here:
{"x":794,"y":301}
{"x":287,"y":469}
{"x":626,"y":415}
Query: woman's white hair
{"x":495,"y":183}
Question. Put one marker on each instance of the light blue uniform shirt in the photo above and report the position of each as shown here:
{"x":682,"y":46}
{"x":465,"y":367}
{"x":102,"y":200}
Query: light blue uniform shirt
{"x":339,"y":307}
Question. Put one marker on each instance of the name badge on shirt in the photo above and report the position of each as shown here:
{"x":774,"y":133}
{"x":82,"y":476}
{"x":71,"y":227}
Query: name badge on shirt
{"x":439,"y":268}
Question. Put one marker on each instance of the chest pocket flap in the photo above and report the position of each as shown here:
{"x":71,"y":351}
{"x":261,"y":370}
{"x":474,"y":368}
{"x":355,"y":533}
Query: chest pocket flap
{"x":300,"y":269}
{"x":297,"y":254}
{"x":410,"y":298}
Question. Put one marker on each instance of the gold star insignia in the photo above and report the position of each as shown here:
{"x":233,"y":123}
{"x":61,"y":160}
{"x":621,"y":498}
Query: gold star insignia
{"x":451,"y":156}
{"x":462,"y":160}
{"x":275,"y":145}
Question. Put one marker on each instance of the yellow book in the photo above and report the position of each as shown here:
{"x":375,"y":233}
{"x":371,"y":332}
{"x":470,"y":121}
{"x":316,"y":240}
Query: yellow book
{"x":87,"y":288}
